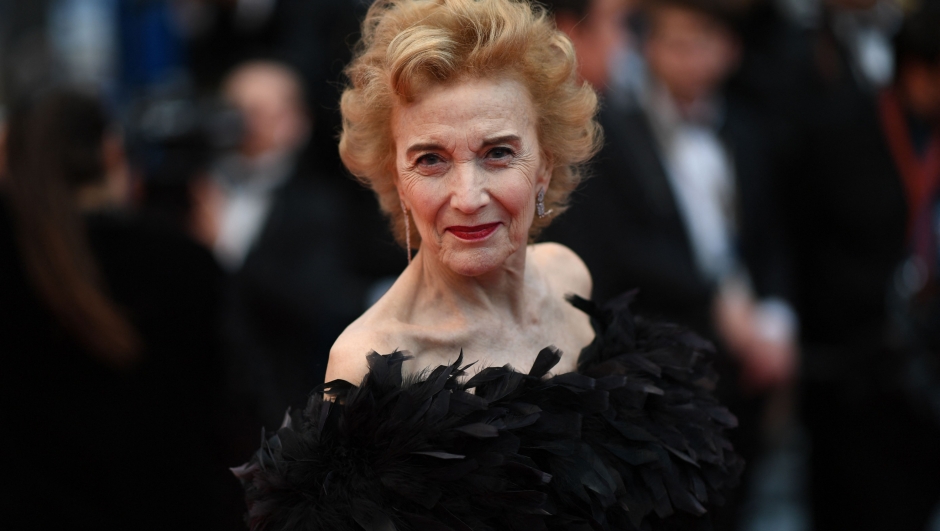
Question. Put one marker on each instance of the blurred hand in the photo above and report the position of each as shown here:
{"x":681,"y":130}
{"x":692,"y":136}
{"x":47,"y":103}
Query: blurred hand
{"x":760,"y":335}
{"x":207,"y":203}
{"x":769,"y":363}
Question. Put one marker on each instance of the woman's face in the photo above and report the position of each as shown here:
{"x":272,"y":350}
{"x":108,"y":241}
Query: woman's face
{"x":468,"y":169}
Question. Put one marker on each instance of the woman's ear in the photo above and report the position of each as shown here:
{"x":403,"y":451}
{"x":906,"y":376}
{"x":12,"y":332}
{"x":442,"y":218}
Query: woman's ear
{"x":544,"y":176}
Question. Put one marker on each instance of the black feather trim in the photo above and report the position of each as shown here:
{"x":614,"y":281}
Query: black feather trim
{"x":633,"y":441}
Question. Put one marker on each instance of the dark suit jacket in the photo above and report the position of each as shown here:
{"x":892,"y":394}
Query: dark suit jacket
{"x":626,"y":226}
{"x":294,"y":294}
{"x":847,"y":213}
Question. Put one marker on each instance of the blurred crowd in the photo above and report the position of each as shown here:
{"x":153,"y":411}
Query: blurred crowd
{"x":180,"y":245}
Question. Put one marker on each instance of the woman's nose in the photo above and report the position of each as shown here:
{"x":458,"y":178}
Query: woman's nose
{"x":468,"y":188}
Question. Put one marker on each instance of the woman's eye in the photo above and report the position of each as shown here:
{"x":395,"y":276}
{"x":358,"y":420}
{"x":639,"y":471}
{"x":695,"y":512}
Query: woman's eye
{"x":499,"y":153}
{"x":429,"y":159}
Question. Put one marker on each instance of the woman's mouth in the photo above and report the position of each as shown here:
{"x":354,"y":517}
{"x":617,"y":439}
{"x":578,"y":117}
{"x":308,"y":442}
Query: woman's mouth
{"x":474,"y":233}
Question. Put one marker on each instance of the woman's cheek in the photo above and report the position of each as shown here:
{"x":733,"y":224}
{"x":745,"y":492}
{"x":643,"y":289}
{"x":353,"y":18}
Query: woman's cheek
{"x":519,"y":203}
{"x":425,"y":199}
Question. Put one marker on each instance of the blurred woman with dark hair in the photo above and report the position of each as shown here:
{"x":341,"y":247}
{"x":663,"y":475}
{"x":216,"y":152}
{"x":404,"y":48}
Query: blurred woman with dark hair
{"x":62,"y":156}
{"x":107,"y":337}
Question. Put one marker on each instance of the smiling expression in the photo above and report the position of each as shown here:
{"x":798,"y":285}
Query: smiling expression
{"x":468,"y":168}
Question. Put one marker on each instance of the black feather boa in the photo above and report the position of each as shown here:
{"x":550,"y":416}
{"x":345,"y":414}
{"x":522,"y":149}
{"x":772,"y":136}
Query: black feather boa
{"x":633,"y":441}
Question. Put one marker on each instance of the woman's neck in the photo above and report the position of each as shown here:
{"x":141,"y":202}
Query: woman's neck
{"x":502,"y":293}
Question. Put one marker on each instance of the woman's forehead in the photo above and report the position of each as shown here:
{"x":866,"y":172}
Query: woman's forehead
{"x":484,"y":107}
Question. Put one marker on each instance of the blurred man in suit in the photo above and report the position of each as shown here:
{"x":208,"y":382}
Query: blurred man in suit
{"x":686,"y":179}
{"x":859,"y":208}
{"x":283,"y":230}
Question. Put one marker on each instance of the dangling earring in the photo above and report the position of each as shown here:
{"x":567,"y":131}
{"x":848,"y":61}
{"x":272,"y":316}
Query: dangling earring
{"x":407,"y":230}
{"x":540,"y":204}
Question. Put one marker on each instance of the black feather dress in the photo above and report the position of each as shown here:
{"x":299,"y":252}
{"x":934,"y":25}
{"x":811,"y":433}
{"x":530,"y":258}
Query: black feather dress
{"x":632,"y":441}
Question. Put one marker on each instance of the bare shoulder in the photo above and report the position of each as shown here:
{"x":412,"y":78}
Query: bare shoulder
{"x":564,"y":269}
{"x":348,"y":354}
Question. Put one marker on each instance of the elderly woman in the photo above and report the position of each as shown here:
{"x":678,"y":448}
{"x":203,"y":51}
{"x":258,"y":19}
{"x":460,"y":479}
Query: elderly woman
{"x":467,"y":119}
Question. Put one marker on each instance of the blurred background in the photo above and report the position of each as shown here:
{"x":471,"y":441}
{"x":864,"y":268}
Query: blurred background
{"x":180,"y":244}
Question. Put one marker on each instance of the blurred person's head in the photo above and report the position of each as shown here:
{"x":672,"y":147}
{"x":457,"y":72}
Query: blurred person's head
{"x":270,"y":97}
{"x":917,"y":58}
{"x":63,"y":157}
{"x":851,"y":5}
{"x":690,"y":47}
{"x":597,"y":28}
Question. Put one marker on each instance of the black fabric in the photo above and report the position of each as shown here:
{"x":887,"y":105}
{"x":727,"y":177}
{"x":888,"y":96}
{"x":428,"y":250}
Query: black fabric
{"x":633,"y":440}
{"x":92,"y":447}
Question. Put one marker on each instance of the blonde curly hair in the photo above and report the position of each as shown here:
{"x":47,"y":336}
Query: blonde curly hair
{"x":407,"y":45}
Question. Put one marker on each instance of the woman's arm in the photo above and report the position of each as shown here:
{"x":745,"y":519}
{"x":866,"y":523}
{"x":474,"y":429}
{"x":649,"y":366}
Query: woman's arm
{"x":348,"y":356}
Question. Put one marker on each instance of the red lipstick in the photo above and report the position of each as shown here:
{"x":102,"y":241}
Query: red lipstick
{"x":474,"y":233}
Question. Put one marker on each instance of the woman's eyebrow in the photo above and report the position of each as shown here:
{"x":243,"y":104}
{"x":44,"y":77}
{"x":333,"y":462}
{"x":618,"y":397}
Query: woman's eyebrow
{"x":427,"y":146}
{"x":433,"y":146}
{"x":502,"y":139}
